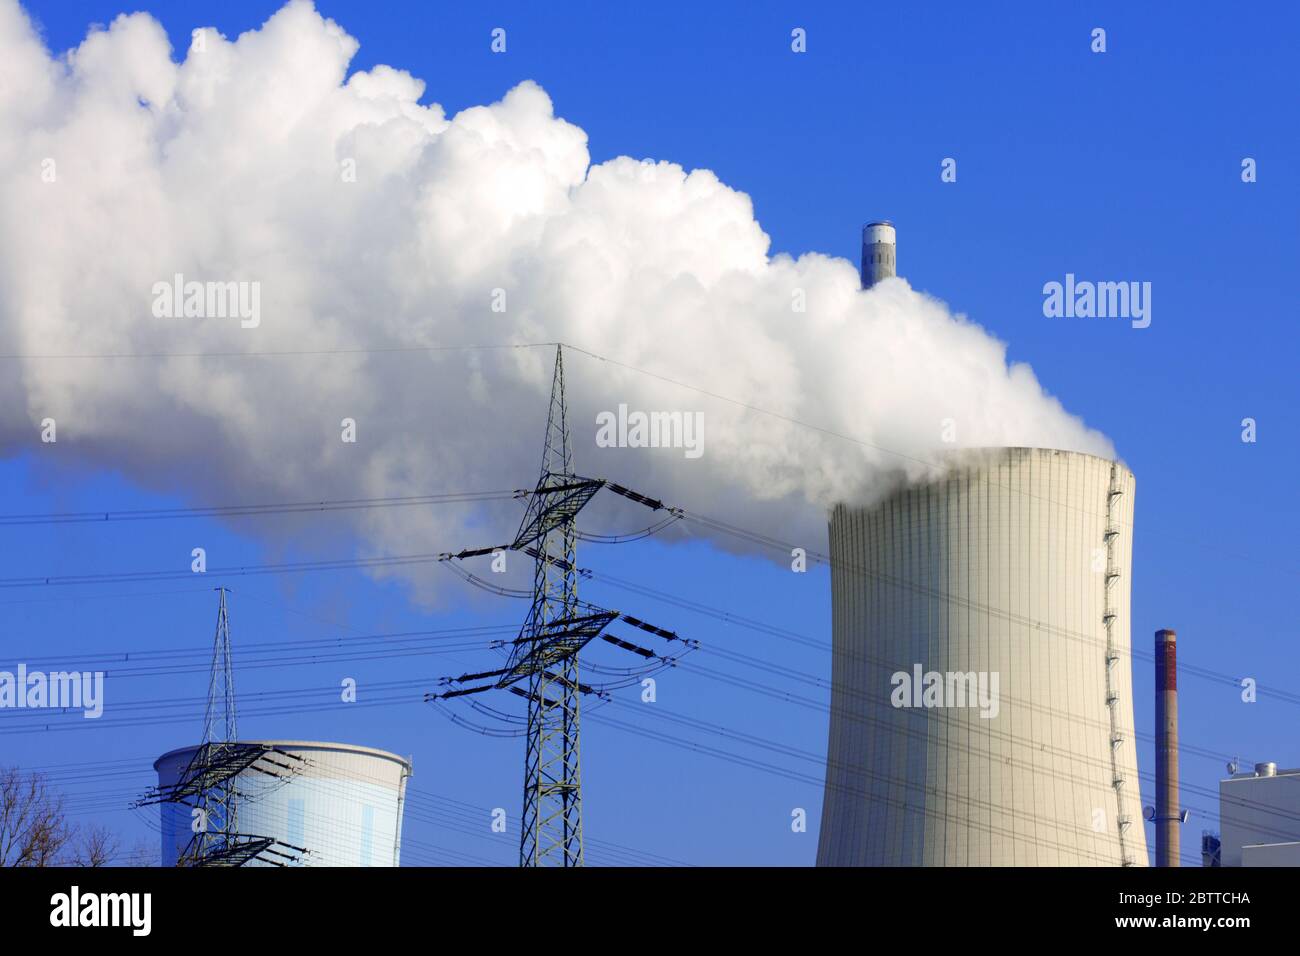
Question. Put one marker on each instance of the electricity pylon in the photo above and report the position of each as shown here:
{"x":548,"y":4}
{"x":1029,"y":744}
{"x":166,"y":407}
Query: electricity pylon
{"x":217,"y":802}
{"x":208,"y":785}
{"x":552,"y":815}
{"x":219,"y":721}
{"x":544,"y":658}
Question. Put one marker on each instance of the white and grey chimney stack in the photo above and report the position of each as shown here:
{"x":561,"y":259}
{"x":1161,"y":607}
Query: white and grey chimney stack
{"x":878,"y":249}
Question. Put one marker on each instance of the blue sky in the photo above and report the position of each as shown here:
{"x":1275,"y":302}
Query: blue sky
{"x":1120,"y":165}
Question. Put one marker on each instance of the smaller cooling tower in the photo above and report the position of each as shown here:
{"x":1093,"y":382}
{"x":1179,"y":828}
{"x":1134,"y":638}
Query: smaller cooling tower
{"x":341,"y":803}
{"x":879,"y":244}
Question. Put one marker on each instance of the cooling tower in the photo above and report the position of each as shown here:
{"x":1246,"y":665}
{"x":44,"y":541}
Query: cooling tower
{"x":982,"y":709}
{"x":342,"y":804}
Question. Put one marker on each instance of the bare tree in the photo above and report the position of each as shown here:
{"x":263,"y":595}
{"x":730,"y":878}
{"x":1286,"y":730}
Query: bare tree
{"x":143,"y":853}
{"x":93,"y":846}
{"x":34,"y":828}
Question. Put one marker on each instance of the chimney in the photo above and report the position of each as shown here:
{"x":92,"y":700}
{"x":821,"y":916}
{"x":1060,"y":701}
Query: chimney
{"x":878,"y":247}
{"x":1167,"y":816}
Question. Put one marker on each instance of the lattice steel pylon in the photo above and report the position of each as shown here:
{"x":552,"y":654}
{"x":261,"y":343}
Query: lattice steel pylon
{"x":219,"y":722}
{"x":218,"y":803}
{"x":551,"y":824}
{"x":209,"y":786}
{"x":542,"y":664}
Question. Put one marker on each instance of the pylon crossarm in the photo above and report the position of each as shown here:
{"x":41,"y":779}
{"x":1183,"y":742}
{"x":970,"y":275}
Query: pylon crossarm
{"x":476,"y":552}
{"x":211,"y":764}
{"x":479,"y":676}
{"x":654,"y":504}
{"x":239,"y":849}
{"x":553,"y":561}
{"x":277,"y":774}
{"x":542,"y":645}
{"x":649,"y":628}
{"x":572,"y":684}
{"x":553,"y":505}
{"x":460,"y":692}
{"x":293,"y":769}
{"x":552,"y":484}
{"x":534,"y":662}
{"x":629,"y":646}
{"x":588,"y":625}
{"x":535,"y":698}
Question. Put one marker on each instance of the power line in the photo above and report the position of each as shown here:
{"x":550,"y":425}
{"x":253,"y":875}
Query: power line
{"x":231,"y":511}
{"x":715,"y":524}
{"x":280,"y":353}
{"x":237,"y":571}
{"x":435,"y":809}
{"x":417,"y":682}
{"x":784,"y":748}
{"x":762,"y":627}
{"x":152,"y":654}
{"x":743,"y":683}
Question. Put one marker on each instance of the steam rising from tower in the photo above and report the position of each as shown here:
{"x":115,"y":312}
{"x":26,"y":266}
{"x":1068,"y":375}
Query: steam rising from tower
{"x":445,"y":208}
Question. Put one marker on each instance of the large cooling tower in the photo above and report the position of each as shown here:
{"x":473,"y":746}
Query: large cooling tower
{"x":340,"y":803}
{"x":1009,"y":574}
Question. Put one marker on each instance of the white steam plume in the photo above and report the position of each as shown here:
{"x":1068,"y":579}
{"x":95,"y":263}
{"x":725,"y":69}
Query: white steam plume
{"x":120,"y":168}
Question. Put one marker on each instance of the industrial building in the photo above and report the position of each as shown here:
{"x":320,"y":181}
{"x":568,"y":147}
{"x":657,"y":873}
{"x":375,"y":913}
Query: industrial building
{"x":879,"y":252}
{"x":340,"y":804}
{"x":1259,"y":818}
{"x":1012,"y":568}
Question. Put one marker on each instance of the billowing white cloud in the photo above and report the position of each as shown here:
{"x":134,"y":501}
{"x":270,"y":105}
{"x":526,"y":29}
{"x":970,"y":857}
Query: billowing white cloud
{"x":370,"y":221}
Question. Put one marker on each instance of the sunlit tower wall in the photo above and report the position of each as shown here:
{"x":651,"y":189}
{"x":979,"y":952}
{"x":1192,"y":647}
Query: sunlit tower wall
{"x":344,"y":805}
{"x":879,"y":252}
{"x":1016,"y":562}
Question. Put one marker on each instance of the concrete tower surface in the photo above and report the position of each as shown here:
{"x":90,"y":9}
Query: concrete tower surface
{"x":879,"y":245}
{"x":344,"y":806}
{"x":981,"y":703}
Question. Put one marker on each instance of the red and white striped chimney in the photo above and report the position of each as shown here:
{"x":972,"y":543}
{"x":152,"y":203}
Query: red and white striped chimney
{"x":1167,"y":815}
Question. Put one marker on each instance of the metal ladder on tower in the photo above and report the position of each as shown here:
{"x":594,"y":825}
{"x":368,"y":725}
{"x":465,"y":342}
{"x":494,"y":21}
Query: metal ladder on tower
{"x":1109,"y":615}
